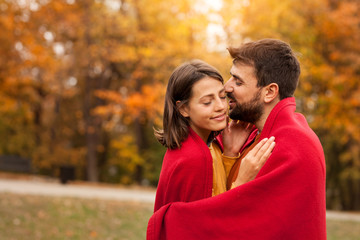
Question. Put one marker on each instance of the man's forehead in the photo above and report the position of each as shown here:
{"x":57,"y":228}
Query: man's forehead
{"x":238,"y":67}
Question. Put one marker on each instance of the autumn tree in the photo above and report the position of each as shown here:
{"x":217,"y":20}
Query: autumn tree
{"x":338,"y":107}
{"x":160,"y":36}
{"x":23,"y":83}
{"x":84,"y":81}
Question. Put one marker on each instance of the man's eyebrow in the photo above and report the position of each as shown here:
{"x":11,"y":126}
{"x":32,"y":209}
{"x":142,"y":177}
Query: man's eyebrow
{"x":235,"y":76}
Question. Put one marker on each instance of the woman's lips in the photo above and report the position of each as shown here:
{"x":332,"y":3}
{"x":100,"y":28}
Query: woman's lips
{"x":220,"y":117}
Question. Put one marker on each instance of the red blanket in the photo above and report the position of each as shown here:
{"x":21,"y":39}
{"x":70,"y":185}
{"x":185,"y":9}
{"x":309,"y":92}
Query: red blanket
{"x":285,"y":201}
{"x":186,"y":174}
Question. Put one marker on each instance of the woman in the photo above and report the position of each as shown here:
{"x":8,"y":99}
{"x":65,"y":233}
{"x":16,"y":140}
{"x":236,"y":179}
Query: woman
{"x":194,"y":114}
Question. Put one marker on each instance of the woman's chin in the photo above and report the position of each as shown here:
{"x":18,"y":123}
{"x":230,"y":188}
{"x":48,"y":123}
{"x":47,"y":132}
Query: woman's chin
{"x":220,"y":127}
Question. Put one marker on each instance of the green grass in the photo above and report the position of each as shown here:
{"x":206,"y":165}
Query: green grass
{"x":37,"y":218}
{"x":343,"y":230}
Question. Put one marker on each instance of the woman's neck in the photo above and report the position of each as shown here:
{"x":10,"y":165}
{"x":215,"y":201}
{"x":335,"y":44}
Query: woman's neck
{"x":203,"y":134}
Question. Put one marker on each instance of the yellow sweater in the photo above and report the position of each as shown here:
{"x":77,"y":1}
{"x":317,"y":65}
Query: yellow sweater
{"x":221,"y":168}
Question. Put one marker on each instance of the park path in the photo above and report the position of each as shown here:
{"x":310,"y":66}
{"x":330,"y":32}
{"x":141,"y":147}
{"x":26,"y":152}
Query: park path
{"x":53,"y":188}
{"x":84,"y":190}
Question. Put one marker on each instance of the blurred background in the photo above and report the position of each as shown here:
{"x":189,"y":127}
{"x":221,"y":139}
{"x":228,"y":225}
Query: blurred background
{"x":82,"y":82}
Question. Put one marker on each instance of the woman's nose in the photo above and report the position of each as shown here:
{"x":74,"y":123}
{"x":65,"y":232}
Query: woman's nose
{"x":220,"y":104}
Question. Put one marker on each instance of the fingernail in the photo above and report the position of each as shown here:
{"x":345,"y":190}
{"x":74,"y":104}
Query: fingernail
{"x":272,"y":138}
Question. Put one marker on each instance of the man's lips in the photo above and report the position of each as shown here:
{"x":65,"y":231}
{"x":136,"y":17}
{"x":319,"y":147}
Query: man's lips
{"x":231,"y":98}
{"x":232,"y":103}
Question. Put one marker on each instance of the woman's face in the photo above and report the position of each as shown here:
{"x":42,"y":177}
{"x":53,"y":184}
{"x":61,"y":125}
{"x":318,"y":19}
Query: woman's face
{"x":207,"y":107}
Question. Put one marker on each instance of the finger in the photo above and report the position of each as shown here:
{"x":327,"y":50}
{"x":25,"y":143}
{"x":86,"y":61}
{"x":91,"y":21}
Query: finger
{"x":232,"y":124}
{"x":246,"y":125}
{"x":250,"y":126}
{"x":240,"y":124}
{"x":264,"y":147}
{"x":257,"y":147}
{"x":266,"y":154}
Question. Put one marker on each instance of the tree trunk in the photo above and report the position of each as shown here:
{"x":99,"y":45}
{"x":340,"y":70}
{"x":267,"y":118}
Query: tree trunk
{"x":91,"y":156}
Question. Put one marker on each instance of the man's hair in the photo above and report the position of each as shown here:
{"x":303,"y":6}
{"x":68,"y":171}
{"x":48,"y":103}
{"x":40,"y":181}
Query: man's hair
{"x":274,"y":62}
{"x":179,"y":88}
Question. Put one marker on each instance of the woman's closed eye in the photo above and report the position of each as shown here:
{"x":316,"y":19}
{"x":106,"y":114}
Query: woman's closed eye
{"x":208,"y":102}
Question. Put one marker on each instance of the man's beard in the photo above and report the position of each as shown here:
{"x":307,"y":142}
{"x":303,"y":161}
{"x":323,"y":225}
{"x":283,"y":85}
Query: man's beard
{"x":250,"y":111}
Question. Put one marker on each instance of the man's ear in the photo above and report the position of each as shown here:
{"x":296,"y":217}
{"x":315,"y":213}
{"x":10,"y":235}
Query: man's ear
{"x":182,"y":109}
{"x":271,"y":92}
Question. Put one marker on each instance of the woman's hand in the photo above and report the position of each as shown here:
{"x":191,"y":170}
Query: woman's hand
{"x":254,"y":160}
{"x":234,"y":137}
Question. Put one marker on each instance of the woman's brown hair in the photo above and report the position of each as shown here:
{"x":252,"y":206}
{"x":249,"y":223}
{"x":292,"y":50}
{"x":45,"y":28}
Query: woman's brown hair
{"x":175,"y":126}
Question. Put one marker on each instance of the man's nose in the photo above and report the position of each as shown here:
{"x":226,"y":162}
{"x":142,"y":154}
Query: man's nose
{"x":228,"y":86}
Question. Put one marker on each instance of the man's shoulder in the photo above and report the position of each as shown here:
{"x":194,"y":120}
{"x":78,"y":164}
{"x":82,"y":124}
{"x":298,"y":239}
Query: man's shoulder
{"x":298,"y":141}
{"x":294,"y":133}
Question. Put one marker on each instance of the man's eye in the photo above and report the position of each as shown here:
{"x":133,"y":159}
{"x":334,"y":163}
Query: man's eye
{"x":223,"y":97}
{"x":238,"y":83}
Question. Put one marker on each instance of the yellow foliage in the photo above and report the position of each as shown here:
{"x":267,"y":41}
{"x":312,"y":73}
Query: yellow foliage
{"x":46,"y":157}
{"x":7,"y":104}
{"x":148,"y":101}
{"x":109,"y":95}
{"x":127,"y":156}
{"x":103,"y":111}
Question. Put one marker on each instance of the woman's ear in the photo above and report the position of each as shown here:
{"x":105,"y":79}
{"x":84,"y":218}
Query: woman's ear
{"x":182,"y":109}
{"x":271,"y":92}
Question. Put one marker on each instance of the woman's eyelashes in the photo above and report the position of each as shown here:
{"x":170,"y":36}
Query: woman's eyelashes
{"x":209,"y":101}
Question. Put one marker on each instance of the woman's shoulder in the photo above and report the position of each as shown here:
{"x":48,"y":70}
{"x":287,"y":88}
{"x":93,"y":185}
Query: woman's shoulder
{"x":189,"y":148}
{"x":189,"y":153}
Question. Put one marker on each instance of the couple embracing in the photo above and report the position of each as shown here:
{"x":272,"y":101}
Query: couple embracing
{"x":259,"y":175}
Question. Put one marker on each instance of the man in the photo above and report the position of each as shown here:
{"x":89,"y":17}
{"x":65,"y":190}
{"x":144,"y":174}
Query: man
{"x":286,"y":200}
